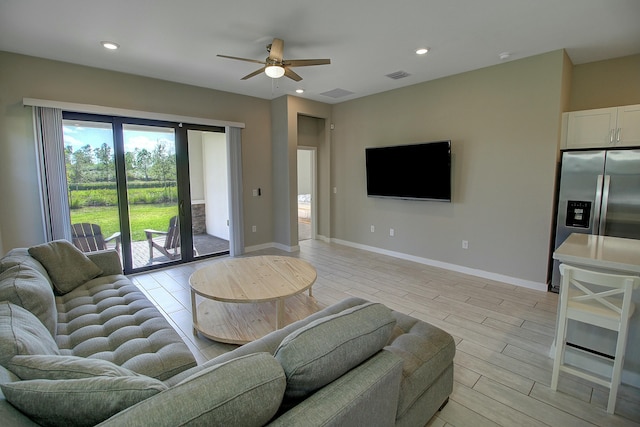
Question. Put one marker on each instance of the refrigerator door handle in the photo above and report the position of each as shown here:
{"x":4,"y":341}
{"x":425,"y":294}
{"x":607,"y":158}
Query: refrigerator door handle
{"x":597,"y":207}
{"x":605,"y":204}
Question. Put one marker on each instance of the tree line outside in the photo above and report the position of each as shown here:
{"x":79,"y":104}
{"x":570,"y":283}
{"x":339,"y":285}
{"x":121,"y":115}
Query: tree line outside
{"x":151,"y":187}
{"x":92,"y":181}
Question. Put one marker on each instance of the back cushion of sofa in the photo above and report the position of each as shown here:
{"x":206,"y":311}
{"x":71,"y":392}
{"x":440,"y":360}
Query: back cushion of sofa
{"x":21,"y":333}
{"x":243,"y":392}
{"x":25,"y":286}
{"x":325,"y":349}
{"x":20,"y":256}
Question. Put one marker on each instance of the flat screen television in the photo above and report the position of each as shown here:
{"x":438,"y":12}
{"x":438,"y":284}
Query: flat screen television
{"x":415,"y":172}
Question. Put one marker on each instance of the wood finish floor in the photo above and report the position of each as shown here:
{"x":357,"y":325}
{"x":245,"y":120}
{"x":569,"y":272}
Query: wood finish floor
{"x":502,"y":332}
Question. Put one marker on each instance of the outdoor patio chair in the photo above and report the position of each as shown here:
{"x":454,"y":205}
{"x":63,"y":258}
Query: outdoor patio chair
{"x":88,"y":237}
{"x":171,"y":246}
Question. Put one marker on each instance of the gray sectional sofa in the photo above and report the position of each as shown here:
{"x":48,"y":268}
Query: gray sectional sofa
{"x":83,"y":346}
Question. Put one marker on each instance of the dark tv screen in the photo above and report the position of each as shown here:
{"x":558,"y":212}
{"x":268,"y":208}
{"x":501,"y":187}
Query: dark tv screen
{"x":418,"y":171}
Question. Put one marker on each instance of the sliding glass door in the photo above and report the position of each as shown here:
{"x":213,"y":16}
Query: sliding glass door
{"x":151,"y":194}
{"x":209,"y":191}
{"x":129,"y":184}
{"x":92,"y":187}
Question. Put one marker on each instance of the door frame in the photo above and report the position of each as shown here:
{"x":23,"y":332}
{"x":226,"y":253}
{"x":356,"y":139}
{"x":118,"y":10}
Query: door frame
{"x":182,"y":178}
{"x":313,"y":171}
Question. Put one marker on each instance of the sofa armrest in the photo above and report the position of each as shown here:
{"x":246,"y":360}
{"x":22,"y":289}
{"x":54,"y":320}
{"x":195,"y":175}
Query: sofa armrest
{"x":365,"y":396}
{"x":427,"y":353}
{"x":108,"y":261}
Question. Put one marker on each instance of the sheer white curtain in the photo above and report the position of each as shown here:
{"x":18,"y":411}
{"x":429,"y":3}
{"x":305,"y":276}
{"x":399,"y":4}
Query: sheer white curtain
{"x":52,"y":173}
{"x":234,"y":150}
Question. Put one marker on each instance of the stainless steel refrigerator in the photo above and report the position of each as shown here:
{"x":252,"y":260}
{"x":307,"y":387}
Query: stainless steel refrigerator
{"x":599,"y":194}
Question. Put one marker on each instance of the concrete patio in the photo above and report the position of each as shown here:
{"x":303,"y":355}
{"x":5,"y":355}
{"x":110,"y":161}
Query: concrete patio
{"x":204,"y":244}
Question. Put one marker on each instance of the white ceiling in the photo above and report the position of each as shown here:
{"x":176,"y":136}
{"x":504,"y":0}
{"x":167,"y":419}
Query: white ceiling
{"x":365,"y":39}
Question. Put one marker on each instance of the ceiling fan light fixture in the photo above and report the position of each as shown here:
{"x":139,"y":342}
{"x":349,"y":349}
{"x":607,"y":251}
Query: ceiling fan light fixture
{"x":274,"y":71}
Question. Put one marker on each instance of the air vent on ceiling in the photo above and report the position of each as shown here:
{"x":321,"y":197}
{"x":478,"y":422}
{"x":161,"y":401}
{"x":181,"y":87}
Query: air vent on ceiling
{"x":337,"y":93}
{"x":398,"y":75}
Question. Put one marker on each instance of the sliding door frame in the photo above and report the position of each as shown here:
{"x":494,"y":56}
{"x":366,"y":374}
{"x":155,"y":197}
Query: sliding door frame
{"x":182,"y":178}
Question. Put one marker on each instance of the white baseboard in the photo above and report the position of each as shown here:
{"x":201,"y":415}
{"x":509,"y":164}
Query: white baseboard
{"x":270,"y":245}
{"x":448,"y":266}
{"x":434,"y":263}
{"x":258,"y":247}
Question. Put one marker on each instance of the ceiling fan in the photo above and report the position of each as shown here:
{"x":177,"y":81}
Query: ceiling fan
{"x":275,"y":66}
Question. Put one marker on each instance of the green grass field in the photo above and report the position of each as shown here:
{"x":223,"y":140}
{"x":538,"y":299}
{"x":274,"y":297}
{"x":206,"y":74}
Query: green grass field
{"x":141,"y":217}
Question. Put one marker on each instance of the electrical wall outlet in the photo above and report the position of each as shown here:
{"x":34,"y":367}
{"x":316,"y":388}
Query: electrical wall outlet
{"x":465,"y":244}
{"x":392,"y":232}
{"x":373,"y":229}
{"x":254,"y":228}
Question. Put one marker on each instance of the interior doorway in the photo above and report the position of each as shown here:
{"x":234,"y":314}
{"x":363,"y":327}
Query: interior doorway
{"x":306,"y":193}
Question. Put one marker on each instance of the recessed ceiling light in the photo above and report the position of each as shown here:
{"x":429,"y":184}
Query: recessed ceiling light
{"x":110,"y":45}
{"x":299,"y":90}
{"x":422,"y":51}
{"x":504,"y":55}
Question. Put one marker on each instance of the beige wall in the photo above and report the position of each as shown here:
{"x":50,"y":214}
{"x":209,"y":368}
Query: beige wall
{"x":606,"y":84}
{"x":284,"y":120}
{"x":22,"y":76}
{"x":503,"y":122}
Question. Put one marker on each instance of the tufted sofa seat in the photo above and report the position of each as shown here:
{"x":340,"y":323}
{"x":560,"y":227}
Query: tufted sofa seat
{"x":110,"y":319}
{"x":106,"y":318}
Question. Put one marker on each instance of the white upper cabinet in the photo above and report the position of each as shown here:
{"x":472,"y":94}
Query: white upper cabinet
{"x":629,"y":125}
{"x":602,"y":127}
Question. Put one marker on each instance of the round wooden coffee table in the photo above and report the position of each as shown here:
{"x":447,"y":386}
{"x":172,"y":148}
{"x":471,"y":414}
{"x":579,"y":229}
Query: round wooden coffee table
{"x":243,"y":298}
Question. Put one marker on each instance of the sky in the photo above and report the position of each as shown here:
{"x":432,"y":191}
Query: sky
{"x":79,"y":134}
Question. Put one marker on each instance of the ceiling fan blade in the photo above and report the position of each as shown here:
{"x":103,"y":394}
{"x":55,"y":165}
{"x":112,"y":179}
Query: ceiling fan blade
{"x":242,"y":59}
{"x":277,"y":47}
{"x":255,"y":73}
{"x":306,"y":62}
{"x":293,"y":76}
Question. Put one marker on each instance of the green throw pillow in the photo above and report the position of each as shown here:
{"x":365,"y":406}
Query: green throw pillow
{"x":39,"y":367}
{"x":327,"y":348}
{"x":81,"y":402}
{"x":67,"y":266}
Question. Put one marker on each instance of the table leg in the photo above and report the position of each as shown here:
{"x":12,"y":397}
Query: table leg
{"x":310,"y":292}
{"x":279,"y":312}
{"x":194,"y":313}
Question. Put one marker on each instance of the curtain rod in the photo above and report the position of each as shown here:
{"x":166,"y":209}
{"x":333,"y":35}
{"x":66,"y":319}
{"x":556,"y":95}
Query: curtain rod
{"x":121,"y":112}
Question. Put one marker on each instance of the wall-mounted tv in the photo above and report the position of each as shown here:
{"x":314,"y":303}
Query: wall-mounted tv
{"x":416,"y":172}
